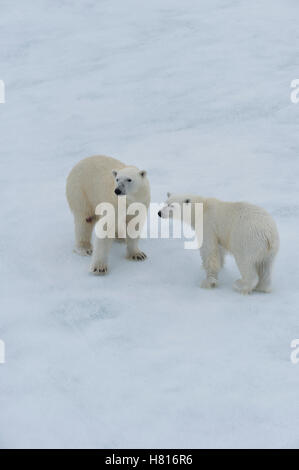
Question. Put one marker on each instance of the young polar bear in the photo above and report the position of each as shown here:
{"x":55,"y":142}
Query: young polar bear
{"x":100,"y":179}
{"x":246,"y":231}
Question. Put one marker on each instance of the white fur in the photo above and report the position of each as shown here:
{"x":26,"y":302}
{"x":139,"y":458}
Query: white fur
{"x":248,"y":232}
{"x":92,"y":181}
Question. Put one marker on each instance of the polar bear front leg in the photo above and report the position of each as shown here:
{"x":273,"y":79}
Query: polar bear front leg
{"x":99,"y":262}
{"x":212,"y":262}
{"x":133,"y":251}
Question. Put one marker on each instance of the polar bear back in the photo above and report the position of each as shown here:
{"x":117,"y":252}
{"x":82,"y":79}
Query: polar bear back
{"x":256,"y":227}
{"x":242,"y":226}
{"x":91,"y":182}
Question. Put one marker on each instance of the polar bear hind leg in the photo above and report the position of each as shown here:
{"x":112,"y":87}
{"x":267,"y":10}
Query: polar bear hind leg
{"x":249,"y":274}
{"x":222,"y":254}
{"x":264,"y":271}
{"x":83,"y":230}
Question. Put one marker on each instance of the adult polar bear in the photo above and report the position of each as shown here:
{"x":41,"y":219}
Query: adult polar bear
{"x":99,"y":179}
{"x":246,"y":231}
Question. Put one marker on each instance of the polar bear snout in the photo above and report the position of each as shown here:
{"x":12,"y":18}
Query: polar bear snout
{"x":162,"y":214}
{"x":166,"y":212}
{"x":121,"y":189}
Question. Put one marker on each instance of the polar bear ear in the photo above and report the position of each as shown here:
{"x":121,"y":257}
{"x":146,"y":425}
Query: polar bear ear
{"x":142,"y":173}
{"x":168,"y":194}
{"x":114,"y":172}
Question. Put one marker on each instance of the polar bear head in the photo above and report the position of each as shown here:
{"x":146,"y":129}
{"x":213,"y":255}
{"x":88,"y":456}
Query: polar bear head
{"x":129,"y":181}
{"x":173,"y":205}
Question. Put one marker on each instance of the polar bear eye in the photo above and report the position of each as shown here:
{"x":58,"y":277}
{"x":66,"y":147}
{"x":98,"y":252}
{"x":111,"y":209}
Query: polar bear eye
{"x":129,"y":180}
{"x":117,"y":179}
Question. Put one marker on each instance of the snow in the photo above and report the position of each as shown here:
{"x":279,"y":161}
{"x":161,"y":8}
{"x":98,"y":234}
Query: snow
{"x":198,"y":94}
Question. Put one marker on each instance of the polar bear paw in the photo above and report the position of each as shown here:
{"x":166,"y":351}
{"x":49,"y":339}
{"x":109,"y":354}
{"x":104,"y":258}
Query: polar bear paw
{"x":243,"y":287}
{"x":263,"y":288}
{"x":83,"y":250}
{"x":209,"y":283}
{"x":138,"y":256}
{"x":98,"y":268}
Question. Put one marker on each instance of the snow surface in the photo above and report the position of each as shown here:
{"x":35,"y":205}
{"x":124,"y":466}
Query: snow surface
{"x":197,"y":93}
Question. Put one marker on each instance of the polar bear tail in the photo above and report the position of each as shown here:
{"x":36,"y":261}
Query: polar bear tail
{"x":272,"y":242}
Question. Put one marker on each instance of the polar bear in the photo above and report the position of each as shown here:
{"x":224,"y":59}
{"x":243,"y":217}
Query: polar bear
{"x":100,"y":179}
{"x":246,"y":231}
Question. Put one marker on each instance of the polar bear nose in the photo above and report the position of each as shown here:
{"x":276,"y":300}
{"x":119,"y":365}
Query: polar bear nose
{"x":117,"y":191}
{"x":160,"y":214}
